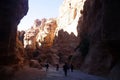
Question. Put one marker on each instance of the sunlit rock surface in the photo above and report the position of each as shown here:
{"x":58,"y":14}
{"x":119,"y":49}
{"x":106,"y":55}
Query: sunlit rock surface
{"x":67,"y":32}
{"x":46,"y":34}
{"x":40,"y":38}
{"x":58,"y":36}
{"x":69,"y":14}
{"x":41,"y":33}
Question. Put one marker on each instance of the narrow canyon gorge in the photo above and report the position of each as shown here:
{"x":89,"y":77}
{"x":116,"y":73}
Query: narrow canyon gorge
{"x":85,"y":33}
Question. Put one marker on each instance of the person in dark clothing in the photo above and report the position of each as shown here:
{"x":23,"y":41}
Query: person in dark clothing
{"x":47,"y":66}
{"x":57,"y":67}
{"x":65,"y":69}
{"x":71,"y":67}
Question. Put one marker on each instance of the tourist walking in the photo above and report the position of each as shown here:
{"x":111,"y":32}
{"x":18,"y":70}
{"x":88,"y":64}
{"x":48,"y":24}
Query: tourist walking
{"x":47,"y":66}
{"x":71,"y":67}
{"x":65,"y":68}
{"x":57,"y":67}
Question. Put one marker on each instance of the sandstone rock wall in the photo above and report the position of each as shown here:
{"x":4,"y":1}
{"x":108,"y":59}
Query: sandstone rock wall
{"x":67,"y":32}
{"x":48,"y":33}
{"x":101,"y":27}
{"x":59,"y":36}
{"x":21,"y":36}
{"x":39,"y":38}
{"x":69,"y":14}
{"x":10,"y":14}
{"x":41,"y":34}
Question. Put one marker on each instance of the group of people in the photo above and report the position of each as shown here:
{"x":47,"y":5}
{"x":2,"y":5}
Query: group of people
{"x":66,"y":67}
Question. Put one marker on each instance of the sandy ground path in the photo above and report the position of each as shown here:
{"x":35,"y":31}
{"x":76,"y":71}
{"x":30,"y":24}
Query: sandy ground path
{"x":30,"y":74}
{"x":52,"y":74}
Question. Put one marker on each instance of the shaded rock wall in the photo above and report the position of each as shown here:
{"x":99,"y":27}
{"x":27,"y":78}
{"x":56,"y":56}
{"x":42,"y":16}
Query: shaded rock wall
{"x":10,"y":14}
{"x":101,"y":27}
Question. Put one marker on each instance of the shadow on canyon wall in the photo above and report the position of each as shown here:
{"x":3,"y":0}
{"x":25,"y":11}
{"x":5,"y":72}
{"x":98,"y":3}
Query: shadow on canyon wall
{"x":100,"y":44}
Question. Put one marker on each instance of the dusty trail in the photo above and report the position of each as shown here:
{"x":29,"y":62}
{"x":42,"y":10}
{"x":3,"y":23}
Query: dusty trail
{"x":52,"y":74}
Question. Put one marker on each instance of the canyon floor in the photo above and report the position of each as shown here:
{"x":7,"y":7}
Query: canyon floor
{"x":41,"y":74}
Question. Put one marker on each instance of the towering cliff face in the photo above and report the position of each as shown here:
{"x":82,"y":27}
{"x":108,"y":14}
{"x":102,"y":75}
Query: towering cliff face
{"x":69,"y":14}
{"x":57,"y":36}
{"x":98,"y":26}
{"x":67,"y":38}
{"x":101,"y":28}
{"x":10,"y":14}
{"x":99,"y":39}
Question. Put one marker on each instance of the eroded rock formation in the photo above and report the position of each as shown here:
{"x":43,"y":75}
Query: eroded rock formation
{"x":46,"y":36}
{"x":55,"y":37}
{"x":42,"y":33}
{"x":97,"y":24}
{"x":67,"y":32}
{"x":101,"y":28}
{"x":69,"y":14}
{"x":10,"y":15}
{"x":40,"y":38}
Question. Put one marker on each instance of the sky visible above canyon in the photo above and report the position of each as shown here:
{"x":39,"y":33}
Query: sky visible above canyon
{"x":39,"y":9}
